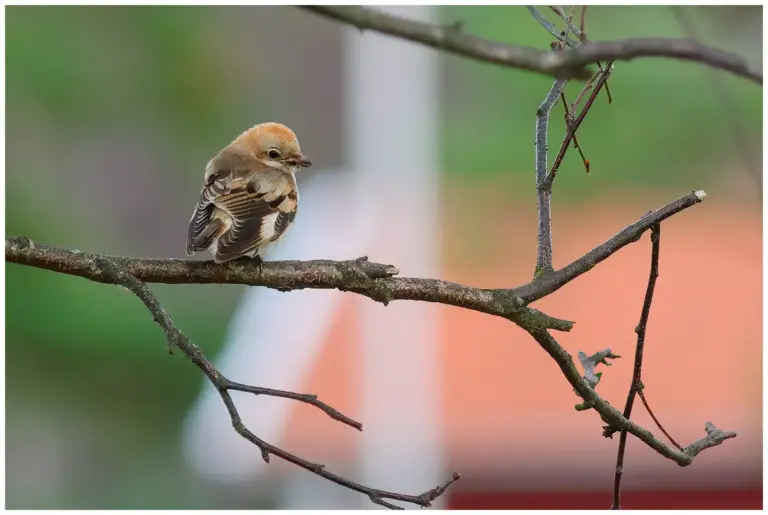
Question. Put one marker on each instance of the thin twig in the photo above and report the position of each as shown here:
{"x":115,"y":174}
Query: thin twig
{"x":637,"y":383}
{"x":568,"y":121}
{"x":616,"y":420}
{"x":301,"y":397}
{"x":587,"y":86}
{"x":549,"y":27}
{"x":572,"y":128}
{"x":571,"y":63}
{"x":583,"y":35}
{"x":106,"y":271}
{"x":607,"y":87}
{"x":544,"y":191}
{"x":569,"y":23}
{"x":641,"y":394}
{"x":714,"y":437}
{"x":569,"y":26}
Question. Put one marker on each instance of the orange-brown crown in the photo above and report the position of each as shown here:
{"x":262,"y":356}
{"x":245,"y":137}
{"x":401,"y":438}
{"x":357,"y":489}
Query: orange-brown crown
{"x":259,"y":139}
{"x":273,"y":144}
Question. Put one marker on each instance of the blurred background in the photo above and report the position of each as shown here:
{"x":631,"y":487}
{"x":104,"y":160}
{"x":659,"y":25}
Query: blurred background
{"x":112,"y":113}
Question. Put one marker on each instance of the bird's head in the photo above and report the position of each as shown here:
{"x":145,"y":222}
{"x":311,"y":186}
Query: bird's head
{"x":276,"y":146}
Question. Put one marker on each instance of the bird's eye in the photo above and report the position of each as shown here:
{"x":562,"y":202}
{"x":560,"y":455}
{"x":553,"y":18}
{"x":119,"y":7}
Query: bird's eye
{"x":273,"y":153}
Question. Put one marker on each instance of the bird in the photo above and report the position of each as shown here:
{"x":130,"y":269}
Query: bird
{"x":249,"y":196}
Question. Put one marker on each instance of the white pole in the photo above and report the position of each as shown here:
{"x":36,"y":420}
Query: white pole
{"x":390,"y":140}
{"x":392,"y":148}
{"x":259,"y":351}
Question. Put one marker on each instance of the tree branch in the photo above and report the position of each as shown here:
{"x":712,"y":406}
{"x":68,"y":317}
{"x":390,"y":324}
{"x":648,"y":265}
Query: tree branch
{"x":570,"y":63}
{"x":550,"y":27}
{"x":714,"y":437}
{"x":613,"y":417}
{"x":553,"y":281}
{"x":104,"y":270}
{"x":569,"y":21}
{"x":544,"y":190}
{"x":637,"y":383}
{"x":373,"y":280}
{"x":570,"y":133}
{"x":641,"y":394}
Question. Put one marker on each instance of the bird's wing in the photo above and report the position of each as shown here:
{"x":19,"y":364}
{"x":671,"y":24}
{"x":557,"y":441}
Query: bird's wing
{"x":219,"y":175}
{"x":260,"y":212}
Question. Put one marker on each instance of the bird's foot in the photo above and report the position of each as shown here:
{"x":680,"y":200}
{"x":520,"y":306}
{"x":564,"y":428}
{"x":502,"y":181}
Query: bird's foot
{"x":258,"y":262}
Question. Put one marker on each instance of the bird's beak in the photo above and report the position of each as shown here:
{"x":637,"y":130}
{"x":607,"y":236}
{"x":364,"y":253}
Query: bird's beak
{"x":300,"y":160}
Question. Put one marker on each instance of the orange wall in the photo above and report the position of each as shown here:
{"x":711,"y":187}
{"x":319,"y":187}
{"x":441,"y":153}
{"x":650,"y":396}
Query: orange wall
{"x":507,"y":412}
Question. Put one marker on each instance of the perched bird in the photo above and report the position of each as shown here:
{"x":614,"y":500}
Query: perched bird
{"x":249,"y":196}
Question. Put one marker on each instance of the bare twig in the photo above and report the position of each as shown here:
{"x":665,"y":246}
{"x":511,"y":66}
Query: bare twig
{"x":570,"y":133}
{"x":589,"y":363}
{"x":102,"y":269}
{"x":553,"y":281}
{"x":607,"y":87}
{"x":569,"y":23}
{"x":568,"y":122}
{"x":570,"y":63}
{"x":569,"y":26}
{"x":544,"y":191}
{"x":549,"y":27}
{"x":616,"y":420}
{"x":583,"y":35}
{"x":714,"y":437}
{"x":637,"y":383}
{"x":572,"y":123}
{"x":587,"y":86}
{"x":556,"y":9}
{"x":641,"y":394}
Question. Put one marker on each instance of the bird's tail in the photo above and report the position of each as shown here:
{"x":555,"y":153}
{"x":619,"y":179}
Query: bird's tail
{"x":204,"y":239}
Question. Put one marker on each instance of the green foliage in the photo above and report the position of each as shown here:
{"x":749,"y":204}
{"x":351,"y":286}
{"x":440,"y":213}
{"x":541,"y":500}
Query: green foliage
{"x":666,"y":121}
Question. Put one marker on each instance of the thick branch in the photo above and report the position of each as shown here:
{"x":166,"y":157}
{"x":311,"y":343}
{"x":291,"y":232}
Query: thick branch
{"x":104,"y":270}
{"x":360,"y":276}
{"x":565,"y":64}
